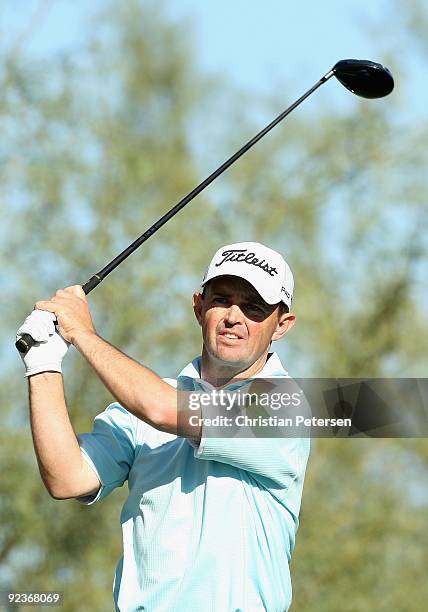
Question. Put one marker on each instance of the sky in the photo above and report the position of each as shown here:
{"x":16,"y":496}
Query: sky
{"x":255,"y":44}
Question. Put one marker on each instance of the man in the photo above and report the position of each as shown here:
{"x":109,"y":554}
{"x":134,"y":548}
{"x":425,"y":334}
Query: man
{"x":210,"y":522}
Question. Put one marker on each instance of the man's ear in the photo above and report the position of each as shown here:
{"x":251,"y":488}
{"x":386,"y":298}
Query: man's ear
{"x":197,"y":306}
{"x":285,"y":323}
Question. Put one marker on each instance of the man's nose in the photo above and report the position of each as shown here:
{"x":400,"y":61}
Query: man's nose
{"x":233,"y":315}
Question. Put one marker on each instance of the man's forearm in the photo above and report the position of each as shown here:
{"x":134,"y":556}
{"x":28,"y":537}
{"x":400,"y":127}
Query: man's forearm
{"x":55,"y":443}
{"x":136,"y":387}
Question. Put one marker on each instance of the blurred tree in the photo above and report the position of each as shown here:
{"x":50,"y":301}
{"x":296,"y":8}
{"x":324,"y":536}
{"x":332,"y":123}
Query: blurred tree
{"x":95,"y":147}
{"x":362,"y":544}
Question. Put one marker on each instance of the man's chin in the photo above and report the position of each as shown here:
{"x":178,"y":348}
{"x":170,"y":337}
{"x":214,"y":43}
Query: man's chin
{"x":229,"y":356}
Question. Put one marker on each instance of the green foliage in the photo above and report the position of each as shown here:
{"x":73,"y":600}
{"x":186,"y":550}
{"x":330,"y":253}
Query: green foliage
{"x":362,"y":542}
{"x":95,"y":148}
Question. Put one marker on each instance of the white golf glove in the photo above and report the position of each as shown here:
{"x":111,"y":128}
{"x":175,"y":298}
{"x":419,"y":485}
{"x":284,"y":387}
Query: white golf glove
{"x":48,"y":352}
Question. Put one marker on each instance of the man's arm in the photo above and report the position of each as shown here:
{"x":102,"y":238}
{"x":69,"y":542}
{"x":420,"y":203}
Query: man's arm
{"x":63,"y":469}
{"x":135,"y":387}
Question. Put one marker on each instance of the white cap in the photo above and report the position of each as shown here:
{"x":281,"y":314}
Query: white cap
{"x":265,"y":269}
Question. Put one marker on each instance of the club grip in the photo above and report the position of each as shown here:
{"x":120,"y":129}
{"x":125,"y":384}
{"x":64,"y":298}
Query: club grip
{"x":92,"y":283}
{"x":24,"y":343}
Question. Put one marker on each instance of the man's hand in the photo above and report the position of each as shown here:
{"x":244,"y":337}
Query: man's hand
{"x":72,"y":312}
{"x":48,"y":352}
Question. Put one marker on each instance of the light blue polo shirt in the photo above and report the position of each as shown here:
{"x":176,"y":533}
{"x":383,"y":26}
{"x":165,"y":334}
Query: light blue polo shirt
{"x":208,"y":529}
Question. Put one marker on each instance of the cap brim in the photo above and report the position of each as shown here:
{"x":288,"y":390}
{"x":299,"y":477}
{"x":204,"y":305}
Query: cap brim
{"x":265,"y":295}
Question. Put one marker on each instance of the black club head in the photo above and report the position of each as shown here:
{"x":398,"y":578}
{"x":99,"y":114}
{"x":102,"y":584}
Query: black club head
{"x":364,"y":78}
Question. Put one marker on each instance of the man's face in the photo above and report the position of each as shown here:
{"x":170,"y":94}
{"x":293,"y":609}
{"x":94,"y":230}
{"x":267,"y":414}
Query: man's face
{"x":237,"y":324}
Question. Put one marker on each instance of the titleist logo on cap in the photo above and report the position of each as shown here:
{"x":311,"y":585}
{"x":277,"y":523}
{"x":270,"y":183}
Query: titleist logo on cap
{"x":241,"y":255}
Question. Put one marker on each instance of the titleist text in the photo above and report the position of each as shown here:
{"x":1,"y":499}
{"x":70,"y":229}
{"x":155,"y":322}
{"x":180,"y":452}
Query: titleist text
{"x":248,"y":258}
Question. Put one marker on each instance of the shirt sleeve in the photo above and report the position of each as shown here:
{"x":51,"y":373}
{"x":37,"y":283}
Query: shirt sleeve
{"x":109,"y":449}
{"x":274,"y":462}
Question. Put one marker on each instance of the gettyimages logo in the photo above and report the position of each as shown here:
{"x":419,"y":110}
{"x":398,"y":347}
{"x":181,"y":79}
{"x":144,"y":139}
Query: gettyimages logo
{"x":308,"y":408}
{"x":241,"y":255}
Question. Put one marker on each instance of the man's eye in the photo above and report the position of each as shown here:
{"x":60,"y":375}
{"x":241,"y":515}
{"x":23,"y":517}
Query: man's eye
{"x":219,"y":299}
{"x":255,"y":308}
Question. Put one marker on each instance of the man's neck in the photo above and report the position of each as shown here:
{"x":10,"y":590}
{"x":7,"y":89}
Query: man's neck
{"x":219,"y":373}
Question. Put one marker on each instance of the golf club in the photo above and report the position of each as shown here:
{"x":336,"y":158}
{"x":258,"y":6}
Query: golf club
{"x":362,"y":77}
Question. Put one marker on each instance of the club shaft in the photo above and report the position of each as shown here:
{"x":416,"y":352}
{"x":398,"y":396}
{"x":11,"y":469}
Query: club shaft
{"x":97,"y":278}
{"x":24,"y":343}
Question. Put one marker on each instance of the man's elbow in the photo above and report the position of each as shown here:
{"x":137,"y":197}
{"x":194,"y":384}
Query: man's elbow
{"x":62,"y":491}
{"x":181,"y":425}
{"x":164,"y":423}
{"x":59,"y":495}
{"x":57,"y":490}
{"x":81,"y":482}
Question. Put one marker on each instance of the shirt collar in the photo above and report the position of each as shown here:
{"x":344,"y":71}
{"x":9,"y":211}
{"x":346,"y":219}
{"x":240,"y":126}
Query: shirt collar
{"x":272,"y":367}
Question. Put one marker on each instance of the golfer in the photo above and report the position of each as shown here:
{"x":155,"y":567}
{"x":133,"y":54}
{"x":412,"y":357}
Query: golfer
{"x":209,"y":524}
